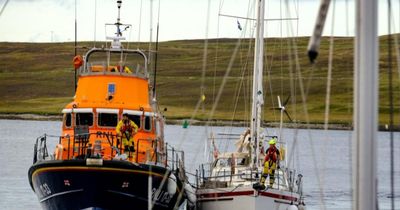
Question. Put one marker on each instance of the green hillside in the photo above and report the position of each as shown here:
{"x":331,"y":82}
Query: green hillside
{"x":38,"y":78}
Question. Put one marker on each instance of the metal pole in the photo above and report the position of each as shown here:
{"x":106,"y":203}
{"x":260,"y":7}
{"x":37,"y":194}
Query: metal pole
{"x":156,"y":55}
{"x":257,"y":79}
{"x":149,"y":190}
{"x":365,"y":105}
{"x":75,"y":46}
{"x":155,"y":65}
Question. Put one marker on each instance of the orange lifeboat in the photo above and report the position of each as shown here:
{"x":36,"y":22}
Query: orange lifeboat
{"x":91,"y":167}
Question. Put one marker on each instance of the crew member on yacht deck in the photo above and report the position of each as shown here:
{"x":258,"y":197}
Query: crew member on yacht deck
{"x":270,"y":162}
{"x":126,"y":129}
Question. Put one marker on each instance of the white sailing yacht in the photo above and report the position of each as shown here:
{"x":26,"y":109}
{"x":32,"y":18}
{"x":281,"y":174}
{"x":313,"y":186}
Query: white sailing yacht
{"x":232,"y":181}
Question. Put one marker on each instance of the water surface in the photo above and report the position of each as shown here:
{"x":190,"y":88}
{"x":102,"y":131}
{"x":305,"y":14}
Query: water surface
{"x":315,"y":152}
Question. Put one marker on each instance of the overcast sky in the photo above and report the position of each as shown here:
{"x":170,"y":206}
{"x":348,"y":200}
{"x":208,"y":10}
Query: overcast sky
{"x":53,"y":20}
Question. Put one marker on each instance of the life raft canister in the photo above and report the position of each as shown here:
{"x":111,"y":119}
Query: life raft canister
{"x":126,"y":127}
{"x":271,"y":155}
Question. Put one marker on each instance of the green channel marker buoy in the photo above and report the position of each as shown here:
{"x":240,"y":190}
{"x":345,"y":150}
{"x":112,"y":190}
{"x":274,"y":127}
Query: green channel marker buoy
{"x":185,"y":124}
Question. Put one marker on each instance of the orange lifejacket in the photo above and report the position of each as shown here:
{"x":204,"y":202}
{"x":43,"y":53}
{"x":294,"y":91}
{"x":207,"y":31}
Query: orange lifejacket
{"x":126,"y":127}
{"x":271,"y":154}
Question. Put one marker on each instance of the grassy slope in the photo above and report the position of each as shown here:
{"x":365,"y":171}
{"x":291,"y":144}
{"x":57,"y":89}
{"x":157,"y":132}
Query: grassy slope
{"x":38,"y":78}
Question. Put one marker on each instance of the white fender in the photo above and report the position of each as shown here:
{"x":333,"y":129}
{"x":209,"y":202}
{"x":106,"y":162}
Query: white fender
{"x":292,"y":207}
{"x":191,"y":194}
{"x":59,"y":152}
{"x":302,"y":207}
{"x":171,"y":184}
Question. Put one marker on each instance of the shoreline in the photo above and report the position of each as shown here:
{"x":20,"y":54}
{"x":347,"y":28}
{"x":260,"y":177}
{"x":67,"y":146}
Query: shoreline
{"x":317,"y":126}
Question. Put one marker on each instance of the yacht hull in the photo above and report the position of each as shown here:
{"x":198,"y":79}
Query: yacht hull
{"x":74,"y":184}
{"x":245,"y":198}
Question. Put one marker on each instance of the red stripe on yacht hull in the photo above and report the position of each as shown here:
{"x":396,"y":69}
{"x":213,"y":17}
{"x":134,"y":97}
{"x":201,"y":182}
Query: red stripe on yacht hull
{"x":278,"y":196}
{"x":241,"y":193}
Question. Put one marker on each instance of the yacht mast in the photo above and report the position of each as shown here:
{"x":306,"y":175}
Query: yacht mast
{"x":258,"y":98}
{"x":365,"y":105}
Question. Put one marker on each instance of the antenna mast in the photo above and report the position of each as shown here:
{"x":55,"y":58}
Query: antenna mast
{"x":118,"y":24}
{"x":75,"y":47}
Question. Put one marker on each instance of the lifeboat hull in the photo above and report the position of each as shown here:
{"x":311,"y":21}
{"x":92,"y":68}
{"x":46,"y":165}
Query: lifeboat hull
{"x":78,"y":184}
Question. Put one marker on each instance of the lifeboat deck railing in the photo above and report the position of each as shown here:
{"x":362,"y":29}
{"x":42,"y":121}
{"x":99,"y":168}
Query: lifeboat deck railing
{"x":79,"y":147}
{"x":126,"y":62}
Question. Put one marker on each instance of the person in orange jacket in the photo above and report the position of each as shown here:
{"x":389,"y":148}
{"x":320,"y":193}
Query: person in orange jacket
{"x":126,"y":129}
{"x":270,"y":163}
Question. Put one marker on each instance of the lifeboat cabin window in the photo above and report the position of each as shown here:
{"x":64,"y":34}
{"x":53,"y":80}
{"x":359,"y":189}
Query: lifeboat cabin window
{"x":147,"y":123}
{"x":84,"y":119}
{"x":67,"y":120}
{"x":135,"y":119}
{"x":107,"y":119}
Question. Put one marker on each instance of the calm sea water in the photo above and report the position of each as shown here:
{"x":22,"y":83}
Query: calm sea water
{"x":315,"y":153}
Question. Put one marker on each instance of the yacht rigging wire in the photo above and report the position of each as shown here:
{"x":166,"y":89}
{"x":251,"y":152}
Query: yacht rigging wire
{"x":328,"y":91}
{"x":201,"y":97}
{"x":221,"y":88}
{"x":216,"y":52}
{"x":4,"y":6}
{"x":238,"y":87}
{"x":329,"y":76}
{"x":391,"y":108}
{"x":349,"y":65}
{"x":306,"y":114}
{"x":140,"y":23}
{"x":238,"y":90}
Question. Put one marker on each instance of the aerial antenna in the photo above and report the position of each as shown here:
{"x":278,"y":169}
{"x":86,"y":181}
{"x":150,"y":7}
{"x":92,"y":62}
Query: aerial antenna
{"x":119,"y":18}
{"x":95,"y":20}
{"x":75,"y":45}
{"x":151,"y":29}
{"x":116,"y":40}
{"x":155,"y":58}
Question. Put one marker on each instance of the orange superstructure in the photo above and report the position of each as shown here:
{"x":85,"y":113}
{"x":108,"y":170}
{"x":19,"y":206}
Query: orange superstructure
{"x":104,"y":92}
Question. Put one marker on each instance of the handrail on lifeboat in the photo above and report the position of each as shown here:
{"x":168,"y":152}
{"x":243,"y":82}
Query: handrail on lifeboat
{"x":160,"y":153}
